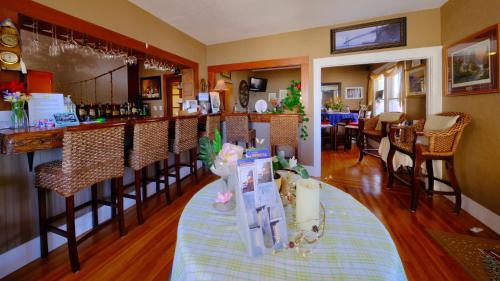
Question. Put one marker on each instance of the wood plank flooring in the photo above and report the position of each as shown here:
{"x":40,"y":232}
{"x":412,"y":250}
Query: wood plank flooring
{"x":147,"y":251}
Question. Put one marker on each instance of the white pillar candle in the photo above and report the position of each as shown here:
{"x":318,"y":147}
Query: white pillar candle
{"x":307,"y":204}
{"x":281,"y":154}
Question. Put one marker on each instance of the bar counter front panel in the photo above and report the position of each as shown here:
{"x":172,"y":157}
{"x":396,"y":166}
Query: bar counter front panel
{"x":18,"y":207}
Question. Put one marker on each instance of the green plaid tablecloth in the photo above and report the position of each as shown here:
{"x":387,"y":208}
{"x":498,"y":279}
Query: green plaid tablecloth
{"x":356,"y":246}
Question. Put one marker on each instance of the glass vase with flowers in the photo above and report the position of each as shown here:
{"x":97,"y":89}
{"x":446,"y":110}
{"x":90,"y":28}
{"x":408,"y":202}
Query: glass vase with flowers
{"x":222,"y":160}
{"x":14,"y":93}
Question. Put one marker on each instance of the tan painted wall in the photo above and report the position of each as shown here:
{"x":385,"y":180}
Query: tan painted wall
{"x":349,"y":76}
{"x":424,"y":29}
{"x":479,"y":152}
{"x":126,"y":18}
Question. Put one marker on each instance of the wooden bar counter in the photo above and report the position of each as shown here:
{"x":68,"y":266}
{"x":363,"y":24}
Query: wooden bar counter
{"x":33,"y":139}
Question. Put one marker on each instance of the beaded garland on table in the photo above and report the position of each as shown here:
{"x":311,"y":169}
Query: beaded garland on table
{"x":303,"y":238}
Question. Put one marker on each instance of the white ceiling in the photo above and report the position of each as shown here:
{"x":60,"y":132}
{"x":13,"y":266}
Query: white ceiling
{"x":217,"y":21}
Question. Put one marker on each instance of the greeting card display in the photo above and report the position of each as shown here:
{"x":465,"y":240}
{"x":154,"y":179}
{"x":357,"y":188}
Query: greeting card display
{"x":260,"y":214}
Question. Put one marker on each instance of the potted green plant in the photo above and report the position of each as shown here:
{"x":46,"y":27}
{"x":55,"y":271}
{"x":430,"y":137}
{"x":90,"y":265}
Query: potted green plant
{"x":292,"y":103}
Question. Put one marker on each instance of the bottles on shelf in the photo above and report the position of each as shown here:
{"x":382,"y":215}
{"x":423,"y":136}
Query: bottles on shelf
{"x":93,"y":111}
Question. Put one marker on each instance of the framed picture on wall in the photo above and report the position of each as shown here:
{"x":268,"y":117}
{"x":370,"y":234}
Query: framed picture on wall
{"x":330,"y":90}
{"x":353,"y":93}
{"x":415,"y":81}
{"x":368,"y":36}
{"x":472,"y":64}
{"x":215,"y":102}
{"x":151,"y":88}
{"x":226,"y":74}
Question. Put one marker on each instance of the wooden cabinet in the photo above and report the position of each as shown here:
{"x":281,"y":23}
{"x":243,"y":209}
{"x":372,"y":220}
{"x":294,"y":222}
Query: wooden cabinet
{"x":39,"y":81}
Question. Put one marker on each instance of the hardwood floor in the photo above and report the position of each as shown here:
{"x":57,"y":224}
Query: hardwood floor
{"x":147,"y":251}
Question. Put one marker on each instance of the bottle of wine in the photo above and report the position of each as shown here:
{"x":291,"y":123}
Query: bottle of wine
{"x":82,"y":112}
{"x":123,"y":110}
{"x":134,"y":110}
{"x":116,"y":111}
{"x":99,"y":111}
{"x":108,"y":112}
{"x":92,"y":111}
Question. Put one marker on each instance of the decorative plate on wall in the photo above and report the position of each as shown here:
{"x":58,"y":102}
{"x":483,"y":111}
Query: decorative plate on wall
{"x":243,"y":93}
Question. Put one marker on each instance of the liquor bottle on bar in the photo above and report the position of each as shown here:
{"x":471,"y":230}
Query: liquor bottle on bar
{"x":100,"y":111}
{"x":92,"y":111}
{"x":108,"y":112}
{"x":82,"y":112}
{"x":116,"y":111}
{"x":129,"y":109}
{"x":134,"y":110}
{"x":123,"y":110}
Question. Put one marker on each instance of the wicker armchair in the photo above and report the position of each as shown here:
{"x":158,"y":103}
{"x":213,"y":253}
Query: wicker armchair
{"x":368,"y":130}
{"x":424,"y":146}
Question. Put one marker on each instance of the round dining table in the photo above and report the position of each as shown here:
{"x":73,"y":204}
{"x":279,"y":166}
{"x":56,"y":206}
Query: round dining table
{"x":355,"y":245}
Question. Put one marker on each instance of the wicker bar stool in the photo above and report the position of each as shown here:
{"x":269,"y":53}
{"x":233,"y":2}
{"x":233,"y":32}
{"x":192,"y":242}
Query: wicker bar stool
{"x":424,"y":145}
{"x":238,"y":130}
{"x":285,"y":131}
{"x":183,"y":139}
{"x":91,"y":154}
{"x":213,"y":122}
{"x":150,"y":146}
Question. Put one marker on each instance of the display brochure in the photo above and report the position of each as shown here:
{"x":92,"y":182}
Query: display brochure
{"x":66,"y":119}
{"x":260,"y":214}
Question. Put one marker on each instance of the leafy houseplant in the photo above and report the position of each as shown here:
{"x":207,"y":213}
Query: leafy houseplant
{"x":292,"y":102}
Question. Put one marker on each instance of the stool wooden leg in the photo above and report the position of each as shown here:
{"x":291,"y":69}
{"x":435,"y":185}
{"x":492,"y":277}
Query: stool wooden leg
{"x":113,"y":197}
{"x":193,"y":160}
{"x":165,"y":175}
{"x":70,"y":233}
{"x":430,"y":176}
{"x":157,"y":176}
{"x":138,"y":200}
{"x":361,"y":148}
{"x":119,"y":205}
{"x":177,"y":174}
{"x":95,"y":215}
{"x":144,"y":183}
{"x":42,"y":217}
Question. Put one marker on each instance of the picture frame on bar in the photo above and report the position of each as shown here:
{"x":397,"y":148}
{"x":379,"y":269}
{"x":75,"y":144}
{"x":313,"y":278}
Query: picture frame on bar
{"x":368,"y":36}
{"x":472,"y":64}
{"x":151,"y":88}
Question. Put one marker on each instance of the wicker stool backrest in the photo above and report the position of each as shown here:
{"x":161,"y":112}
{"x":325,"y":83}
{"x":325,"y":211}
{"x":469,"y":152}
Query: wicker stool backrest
{"x":92,"y":155}
{"x":186,"y":134}
{"x":150,"y":144}
{"x":284,"y":130}
{"x":213,"y":122}
{"x":237,"y":128}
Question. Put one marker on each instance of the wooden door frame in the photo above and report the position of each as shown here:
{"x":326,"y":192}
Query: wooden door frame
{"x":167,"y":100}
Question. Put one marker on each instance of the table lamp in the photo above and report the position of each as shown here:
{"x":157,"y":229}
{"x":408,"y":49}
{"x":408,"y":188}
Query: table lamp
{"x":220,"y":87}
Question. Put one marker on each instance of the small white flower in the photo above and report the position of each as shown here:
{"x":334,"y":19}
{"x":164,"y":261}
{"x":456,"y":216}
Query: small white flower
{"x":292,"y":162}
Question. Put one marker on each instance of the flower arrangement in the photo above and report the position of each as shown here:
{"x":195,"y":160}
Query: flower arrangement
{"x":15,"y":93}
{"x":222,"y":160}
{"x":293,"y":102}
{"x":334,"y":104}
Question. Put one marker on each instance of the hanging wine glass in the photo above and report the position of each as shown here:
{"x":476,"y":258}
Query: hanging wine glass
{"x":54,"y":48}
{"x":34,"y":45}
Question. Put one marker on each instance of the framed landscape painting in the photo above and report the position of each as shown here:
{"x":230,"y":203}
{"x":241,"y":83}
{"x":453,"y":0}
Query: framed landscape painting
{"x":415,"y":81}
{"x":472,"y":64}
{"x":369,"y":36}
{"x":353,"y":93}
